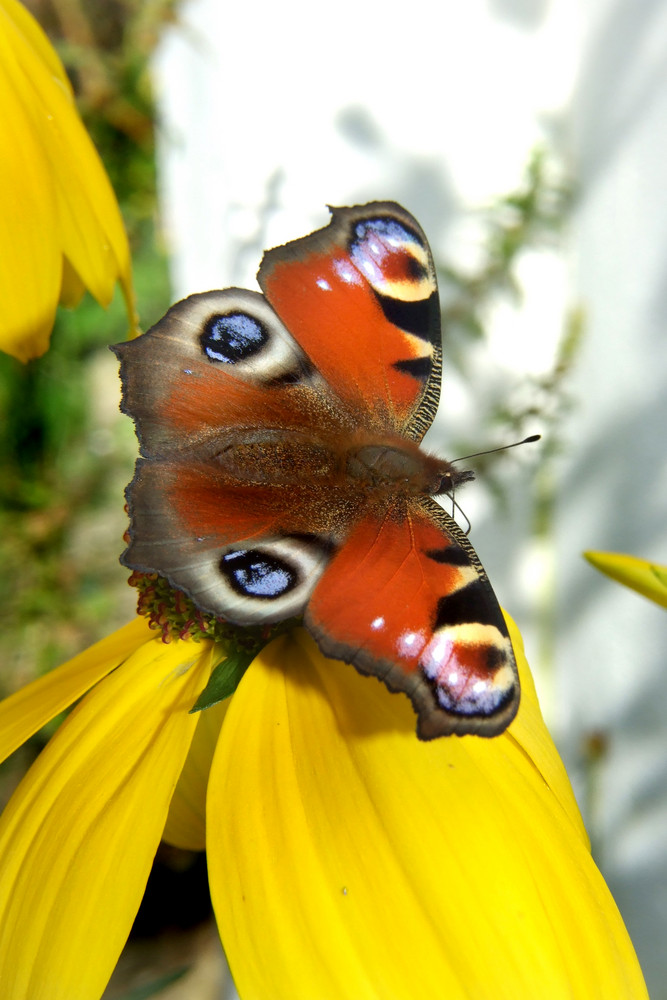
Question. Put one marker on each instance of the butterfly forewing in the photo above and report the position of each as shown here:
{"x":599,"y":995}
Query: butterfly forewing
{"x":216,"y":362}
{"x":361,"y":298}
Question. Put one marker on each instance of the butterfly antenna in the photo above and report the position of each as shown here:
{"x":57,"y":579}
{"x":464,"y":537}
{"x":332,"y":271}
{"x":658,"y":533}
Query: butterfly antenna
{"x":492,"y":451}
{"x":489,"y":451}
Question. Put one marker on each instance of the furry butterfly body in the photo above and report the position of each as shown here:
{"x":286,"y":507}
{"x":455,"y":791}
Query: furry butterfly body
{"x":281,"y":472}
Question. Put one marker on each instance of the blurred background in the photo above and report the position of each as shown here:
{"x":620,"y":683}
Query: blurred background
{"x":529,"y":137}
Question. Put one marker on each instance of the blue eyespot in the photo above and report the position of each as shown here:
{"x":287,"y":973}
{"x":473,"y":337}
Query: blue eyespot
{"x":255,"y":574}
{"x":386,"y":253}
{"x":388,"y":228}
{"x":233,"y":337}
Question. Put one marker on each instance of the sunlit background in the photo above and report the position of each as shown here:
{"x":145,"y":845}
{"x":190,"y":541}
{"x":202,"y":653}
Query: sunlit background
{"x":530,"y":139}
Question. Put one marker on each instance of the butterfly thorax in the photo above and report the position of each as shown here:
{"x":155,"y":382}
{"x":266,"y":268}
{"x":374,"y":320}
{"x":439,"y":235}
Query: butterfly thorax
{"x":387,"y":465}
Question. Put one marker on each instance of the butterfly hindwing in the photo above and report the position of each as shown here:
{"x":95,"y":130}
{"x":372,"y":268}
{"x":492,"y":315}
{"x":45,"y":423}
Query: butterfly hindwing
{"x":408,"y":601}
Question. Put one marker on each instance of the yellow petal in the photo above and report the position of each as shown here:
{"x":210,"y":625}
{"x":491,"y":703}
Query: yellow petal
{"x":347,"y":859}
{"x":78,"y":836}
{"x":186,"y":822}
{"x":530,"y":733}
{"x":72,"y":288}
{"x":26,"y":711}
{"x":647,"y":578}
{"x":25,"y":23}
{"x":32,"y":256}
{"x":61,"y":204}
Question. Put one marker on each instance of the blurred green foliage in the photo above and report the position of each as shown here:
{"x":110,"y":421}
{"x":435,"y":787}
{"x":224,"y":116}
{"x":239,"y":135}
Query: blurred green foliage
{"x":65,"y":451}
{"x":530,"y":218}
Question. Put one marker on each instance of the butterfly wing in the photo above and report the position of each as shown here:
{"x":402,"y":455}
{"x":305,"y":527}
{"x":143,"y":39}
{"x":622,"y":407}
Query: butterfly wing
{"x":409,"y":602}
{"x":361,"y":298}
{"x":235,"y":549}
{"x":213,"y":387}
{"x":222,"y":367}
{"x":217,"y":362}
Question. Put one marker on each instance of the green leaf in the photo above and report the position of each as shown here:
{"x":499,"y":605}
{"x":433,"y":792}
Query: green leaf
{"x":225,"y":678}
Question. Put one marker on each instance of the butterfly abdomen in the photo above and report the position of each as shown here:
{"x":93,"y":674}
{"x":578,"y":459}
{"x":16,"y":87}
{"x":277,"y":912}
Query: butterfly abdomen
{"x":273,"y":458}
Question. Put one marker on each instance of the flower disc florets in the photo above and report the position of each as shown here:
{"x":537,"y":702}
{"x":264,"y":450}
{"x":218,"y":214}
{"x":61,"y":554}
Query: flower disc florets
{"x":174,"y":614}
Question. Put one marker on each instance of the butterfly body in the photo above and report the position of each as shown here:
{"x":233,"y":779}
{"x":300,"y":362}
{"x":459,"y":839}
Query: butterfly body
{"x":388,"y":466}
{"x":282,"y":474}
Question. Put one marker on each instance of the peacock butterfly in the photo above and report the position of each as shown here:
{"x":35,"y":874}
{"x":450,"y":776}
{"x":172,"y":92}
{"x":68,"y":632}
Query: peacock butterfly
{"x":281,"y":472}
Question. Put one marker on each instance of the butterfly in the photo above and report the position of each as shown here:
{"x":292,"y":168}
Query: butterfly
{"x":281,"y":472}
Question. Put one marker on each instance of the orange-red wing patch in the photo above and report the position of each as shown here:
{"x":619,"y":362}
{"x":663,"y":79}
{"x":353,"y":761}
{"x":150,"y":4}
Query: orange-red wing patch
{"x":361,"y":299}
{"x":217,"y":362}
{"x":407,"y":600}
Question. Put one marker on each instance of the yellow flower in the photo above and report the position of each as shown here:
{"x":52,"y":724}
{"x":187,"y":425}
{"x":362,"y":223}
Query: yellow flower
{"x":347,"y":859}
{"x":60,"y":226}
{"x":647,"y":578}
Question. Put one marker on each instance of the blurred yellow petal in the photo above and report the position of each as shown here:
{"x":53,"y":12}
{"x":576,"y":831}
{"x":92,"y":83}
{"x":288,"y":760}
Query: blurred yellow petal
{"x":26,"y":711}
{"x":29,"y":231}
{"x":79,"y":835}
{"x":35,"y":37}
{"x":72,"y":288}
{"x":647,"y":578}
{"x":530,"y":733}
{"x":347,"y":859}
{"x":58,"y":202}
{"x":186,"y":822}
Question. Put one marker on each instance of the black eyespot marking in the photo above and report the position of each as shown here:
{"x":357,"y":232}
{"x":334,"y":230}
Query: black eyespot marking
{"x":253,"y":573}
{"x":416,"y":269}
{"x":233,"y":337}
{"x":495,"y":658}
